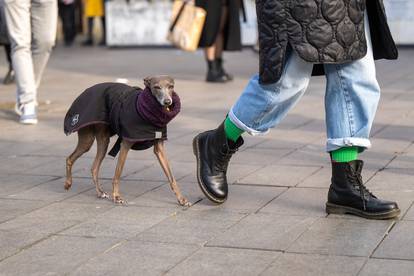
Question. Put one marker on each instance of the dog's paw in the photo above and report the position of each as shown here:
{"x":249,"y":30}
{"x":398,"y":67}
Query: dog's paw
{"x":103,"y":195}
{"x":68,"y":184}
{"x":119,"y":200}
{"x":184,"y":202}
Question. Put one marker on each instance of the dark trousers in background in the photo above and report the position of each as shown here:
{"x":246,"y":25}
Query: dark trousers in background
{"x":67,"y":14}
{"x":7,"y":49}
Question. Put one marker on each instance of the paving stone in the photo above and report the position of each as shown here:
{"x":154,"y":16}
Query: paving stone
{"x":410,"y":213}
{"x":16,"y":148}
{"x":276,"y":175}
{"x":243,"y":198}
{"x":259,"y":157}
{"x":403,"y":161}
{"x":32,"y":227}
{"x":299,"y":201}
{"x":55,"y":256}
{"x":12,"y":184}
{"x":317,"y":265}
{"x":163,"y":196}
{"x":264,"y":231}
{"x":121,"y":222}
{"x":191,"y":227}
{"x":58,"y":167}
{"x":17,"y":164}
{"x":137,"y":258}
{"x":344,"y":237}
{"x":10,"y":208}
{"x":382,"y":267}
{"x":129,"y":189}
{"x":306,"y":157}
{"x":54,"y":190}
{"x":155,"y":172}
{"x":320,"y":179}
{"x":399,"y":244}
{"x":108,"y":167}
{"x":224,"y":261}
{"x":392,"y":179}
{"x":54,"y":217}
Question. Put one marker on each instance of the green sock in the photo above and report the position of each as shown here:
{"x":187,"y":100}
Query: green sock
{"x":345,"y":154}
{"x":232,"y":131}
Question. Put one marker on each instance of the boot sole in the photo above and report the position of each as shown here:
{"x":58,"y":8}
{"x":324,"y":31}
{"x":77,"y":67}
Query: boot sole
{"x":341,"y":210}
{"x":200,"y":183}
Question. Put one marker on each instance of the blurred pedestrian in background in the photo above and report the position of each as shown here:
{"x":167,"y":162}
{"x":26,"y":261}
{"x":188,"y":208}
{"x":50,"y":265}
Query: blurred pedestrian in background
{"x":4,"y":40}
{"x":221,"y":32}
{"x":94,"y":8}
{"x":67,"y":14}
{"x":32,"y":30}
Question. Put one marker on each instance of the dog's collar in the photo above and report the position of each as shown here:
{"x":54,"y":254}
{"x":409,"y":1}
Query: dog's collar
{"x":151,"y":111}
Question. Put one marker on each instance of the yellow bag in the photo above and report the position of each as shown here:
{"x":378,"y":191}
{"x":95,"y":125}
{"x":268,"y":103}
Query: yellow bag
{"x":187,"y":23}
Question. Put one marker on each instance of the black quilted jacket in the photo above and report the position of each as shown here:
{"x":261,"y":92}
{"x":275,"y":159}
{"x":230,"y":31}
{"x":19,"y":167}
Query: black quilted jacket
{"x":320,"y":31}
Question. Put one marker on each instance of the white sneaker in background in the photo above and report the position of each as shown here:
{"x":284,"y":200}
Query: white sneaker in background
{"x":28,"y":113}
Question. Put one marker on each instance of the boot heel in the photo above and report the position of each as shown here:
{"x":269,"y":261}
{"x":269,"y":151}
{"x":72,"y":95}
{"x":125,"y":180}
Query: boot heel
{"x":195,"y":146}
{"x":334,"y":209}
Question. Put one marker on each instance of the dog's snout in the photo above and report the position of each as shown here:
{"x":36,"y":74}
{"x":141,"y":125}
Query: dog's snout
{"x":167,"y":102}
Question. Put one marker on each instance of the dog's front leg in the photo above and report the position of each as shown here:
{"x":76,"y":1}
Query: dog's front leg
{"x":116,"y":196}
{"x":159,"y":151}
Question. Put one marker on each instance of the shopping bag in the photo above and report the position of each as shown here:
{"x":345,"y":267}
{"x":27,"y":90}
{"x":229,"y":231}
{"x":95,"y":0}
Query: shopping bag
{"x":187,"y":23}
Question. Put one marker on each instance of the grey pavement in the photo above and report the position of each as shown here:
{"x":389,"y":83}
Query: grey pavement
{"x":273,"y":223}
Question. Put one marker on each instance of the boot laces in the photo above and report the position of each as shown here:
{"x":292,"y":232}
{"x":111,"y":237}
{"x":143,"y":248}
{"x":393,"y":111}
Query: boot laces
{"x":224,"y":157}
{"x":356,"y":180}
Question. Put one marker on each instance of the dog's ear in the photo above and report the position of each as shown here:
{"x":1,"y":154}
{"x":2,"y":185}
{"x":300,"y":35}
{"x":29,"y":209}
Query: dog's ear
{"x":171,"y":80}
{"x":147,"y":82}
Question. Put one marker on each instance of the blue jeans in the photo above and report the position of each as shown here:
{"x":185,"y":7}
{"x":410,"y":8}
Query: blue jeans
{"x":351,"y":99}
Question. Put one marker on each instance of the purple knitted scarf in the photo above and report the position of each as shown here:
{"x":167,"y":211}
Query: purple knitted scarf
{"x":153,"y":112}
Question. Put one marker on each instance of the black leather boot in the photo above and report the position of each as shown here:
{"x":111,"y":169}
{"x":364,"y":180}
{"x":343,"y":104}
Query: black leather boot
{"x":213,"y":152}
{"x":222,"y":71}
{"x":348,"y":195}
{"x":214,"y":74}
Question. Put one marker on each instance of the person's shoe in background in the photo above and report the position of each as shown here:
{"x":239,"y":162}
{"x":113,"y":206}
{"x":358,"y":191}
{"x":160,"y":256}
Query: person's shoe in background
{"x":28,"y":113}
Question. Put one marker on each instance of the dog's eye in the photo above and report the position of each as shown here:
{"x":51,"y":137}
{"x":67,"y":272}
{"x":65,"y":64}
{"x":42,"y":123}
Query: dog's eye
{"x":157,"y":87}
{"x":171,"y":87}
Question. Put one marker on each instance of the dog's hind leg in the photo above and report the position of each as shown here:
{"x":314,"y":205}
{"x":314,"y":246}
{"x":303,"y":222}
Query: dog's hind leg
{"x":86,"y":137}
{"x":159,"y":151}
{"x":102,"y":134}
{"x":125,"y":147}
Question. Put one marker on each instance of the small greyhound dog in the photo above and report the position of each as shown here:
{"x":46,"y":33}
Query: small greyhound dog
{"x":161,"y":88}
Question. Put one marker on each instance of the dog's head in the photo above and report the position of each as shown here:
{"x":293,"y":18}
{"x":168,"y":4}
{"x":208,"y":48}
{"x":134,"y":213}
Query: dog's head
{"x":162,"y":88}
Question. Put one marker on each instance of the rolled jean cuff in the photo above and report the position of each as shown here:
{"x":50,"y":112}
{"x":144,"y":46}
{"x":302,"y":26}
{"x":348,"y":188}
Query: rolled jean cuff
{"x":242,"y":126}
{"x":336,"y":143}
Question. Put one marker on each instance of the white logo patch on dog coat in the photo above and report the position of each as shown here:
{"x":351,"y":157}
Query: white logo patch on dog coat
{"x":158,"y":135}
{"x":75,"y":119}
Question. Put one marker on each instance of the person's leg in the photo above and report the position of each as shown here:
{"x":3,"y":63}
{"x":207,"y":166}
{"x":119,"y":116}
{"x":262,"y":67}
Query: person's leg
{"x":351,"y":101}
{"x":71,"y":10}
{"x":103,"y":40}
{"x":220,"y":43}
{"x":214,"y":73}
{"x":259,"y":108}
{"x":9,"y":78}
{"x":89,"y":39}
{"x":19,"y":27}
{"x":44,"y":23}
{"x":67,"y":23}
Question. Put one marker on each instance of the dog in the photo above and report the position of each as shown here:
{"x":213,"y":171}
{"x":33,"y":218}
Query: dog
{"x":137,"y":116}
